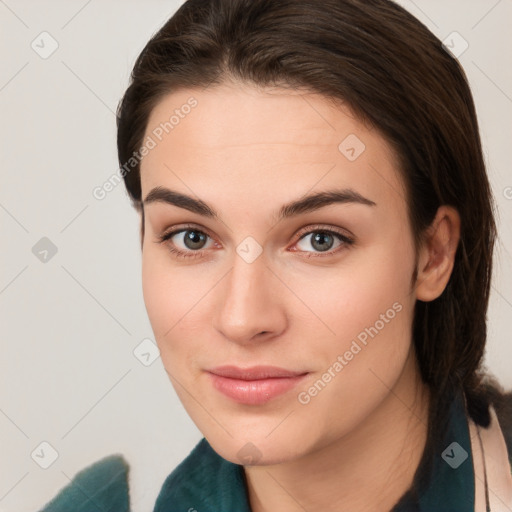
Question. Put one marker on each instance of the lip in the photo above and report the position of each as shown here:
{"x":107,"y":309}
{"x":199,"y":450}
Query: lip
{"x":256,"y":385}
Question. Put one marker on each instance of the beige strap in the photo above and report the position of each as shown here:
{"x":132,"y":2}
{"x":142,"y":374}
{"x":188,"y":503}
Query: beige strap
{"x":492,"y":463}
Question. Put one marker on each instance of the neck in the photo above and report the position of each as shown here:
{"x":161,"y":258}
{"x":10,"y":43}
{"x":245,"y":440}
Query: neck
{"x":368,"y":469}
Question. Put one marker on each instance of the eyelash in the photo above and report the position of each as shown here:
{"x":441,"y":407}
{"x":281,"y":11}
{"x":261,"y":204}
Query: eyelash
{"x":346,"y":241}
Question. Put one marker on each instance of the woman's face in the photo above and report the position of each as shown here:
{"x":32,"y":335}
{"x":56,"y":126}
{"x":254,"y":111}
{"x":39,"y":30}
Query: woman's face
{"x":321,"y":289}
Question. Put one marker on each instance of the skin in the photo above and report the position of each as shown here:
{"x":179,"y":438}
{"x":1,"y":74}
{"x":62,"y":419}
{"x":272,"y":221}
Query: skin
{"x":246,"y":151}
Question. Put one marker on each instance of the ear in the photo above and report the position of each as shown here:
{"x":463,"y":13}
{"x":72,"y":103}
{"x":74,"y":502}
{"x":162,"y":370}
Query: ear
{"x":437,"y":254}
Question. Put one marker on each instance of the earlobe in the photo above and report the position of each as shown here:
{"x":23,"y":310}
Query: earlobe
{"x":437,"y":254}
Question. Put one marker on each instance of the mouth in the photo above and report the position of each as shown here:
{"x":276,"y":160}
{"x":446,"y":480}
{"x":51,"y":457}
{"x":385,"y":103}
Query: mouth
{"x":256,"y":385}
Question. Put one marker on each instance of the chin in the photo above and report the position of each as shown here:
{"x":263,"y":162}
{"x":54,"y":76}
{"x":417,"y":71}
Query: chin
{"x":257,"y":450}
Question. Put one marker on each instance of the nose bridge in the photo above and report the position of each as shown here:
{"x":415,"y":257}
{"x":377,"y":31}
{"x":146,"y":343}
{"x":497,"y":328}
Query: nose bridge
{"x":249,"y":305}
{"x":247,"y":284}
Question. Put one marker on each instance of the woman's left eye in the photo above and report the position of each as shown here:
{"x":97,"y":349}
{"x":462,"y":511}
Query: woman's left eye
{"x":190,"y":242}
{"x":322,"y":240}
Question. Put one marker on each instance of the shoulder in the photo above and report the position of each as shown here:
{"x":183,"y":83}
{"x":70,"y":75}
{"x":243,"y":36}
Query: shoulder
{"x":100,"y":486}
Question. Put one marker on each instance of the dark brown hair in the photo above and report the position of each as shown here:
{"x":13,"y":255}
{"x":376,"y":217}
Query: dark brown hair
{"x":393,"y":73}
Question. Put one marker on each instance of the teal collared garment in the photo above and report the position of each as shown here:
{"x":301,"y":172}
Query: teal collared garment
{"x":102,"y":487}
{"x":449,"y":486}
{"x":205,"y":482}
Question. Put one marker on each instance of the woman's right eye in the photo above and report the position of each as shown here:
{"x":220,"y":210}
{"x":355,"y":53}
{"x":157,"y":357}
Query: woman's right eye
{"x":185,"y":242}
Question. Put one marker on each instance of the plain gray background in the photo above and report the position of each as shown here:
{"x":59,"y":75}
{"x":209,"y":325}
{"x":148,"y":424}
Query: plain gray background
{"x":70,"y":323}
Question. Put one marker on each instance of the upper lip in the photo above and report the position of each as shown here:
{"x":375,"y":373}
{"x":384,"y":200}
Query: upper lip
{"x":254,"y":372}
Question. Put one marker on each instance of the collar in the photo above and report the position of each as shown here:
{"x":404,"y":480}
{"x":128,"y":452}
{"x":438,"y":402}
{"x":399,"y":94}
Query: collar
{"x":204,"y":481}
{"x":447,"y":485}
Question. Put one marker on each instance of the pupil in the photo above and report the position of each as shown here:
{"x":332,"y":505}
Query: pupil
{"x":319,"y":241}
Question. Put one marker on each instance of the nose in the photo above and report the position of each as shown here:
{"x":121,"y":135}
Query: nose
{"x":250,"y":306}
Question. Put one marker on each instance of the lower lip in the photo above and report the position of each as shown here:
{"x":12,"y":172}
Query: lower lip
{"x":254,"y":392}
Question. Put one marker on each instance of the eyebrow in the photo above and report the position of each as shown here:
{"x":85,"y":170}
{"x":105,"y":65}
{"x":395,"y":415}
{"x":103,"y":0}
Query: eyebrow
{"x":302,"y":205}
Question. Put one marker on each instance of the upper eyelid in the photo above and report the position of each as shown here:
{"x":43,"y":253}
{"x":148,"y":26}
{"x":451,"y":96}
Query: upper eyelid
{"x":321,"y":227}
{"x":168,"y":233}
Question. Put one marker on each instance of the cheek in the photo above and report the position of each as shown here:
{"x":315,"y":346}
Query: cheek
{"x":365,"y":286}
{"x":370,"y":308}
{"x":159,"y":294}
{"x":165,"y":297}
{"x":356,"y":368}
{"x":174,"y":298}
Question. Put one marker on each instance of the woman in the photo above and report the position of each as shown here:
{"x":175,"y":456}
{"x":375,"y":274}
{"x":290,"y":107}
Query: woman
{"x":317,"y":234}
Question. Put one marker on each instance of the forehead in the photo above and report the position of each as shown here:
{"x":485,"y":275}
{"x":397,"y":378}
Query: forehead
{"x":239,"y":141}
